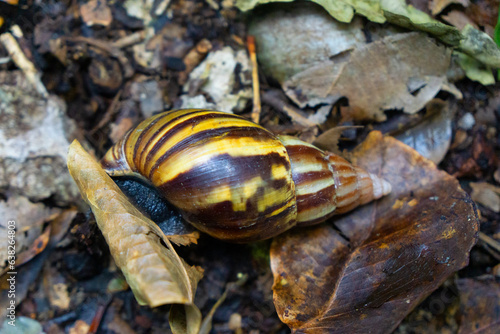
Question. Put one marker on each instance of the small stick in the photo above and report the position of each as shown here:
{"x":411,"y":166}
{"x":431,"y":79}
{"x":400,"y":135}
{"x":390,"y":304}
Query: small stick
{"x":24,"y":64}
{"x":490,"y":241}
{"x":161,"y":7}
{"x":255,"y":80}
{"x":129,"y":40}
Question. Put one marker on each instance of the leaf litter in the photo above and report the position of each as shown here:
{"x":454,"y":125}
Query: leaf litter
{"x":382,"y":259}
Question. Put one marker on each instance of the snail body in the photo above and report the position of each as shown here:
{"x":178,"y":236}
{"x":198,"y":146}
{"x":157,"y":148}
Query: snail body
{"x":235,"y":180}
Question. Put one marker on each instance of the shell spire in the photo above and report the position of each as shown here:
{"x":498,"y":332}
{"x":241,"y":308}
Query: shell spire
{"x":327,"y":184}
{"x":355,"y":186}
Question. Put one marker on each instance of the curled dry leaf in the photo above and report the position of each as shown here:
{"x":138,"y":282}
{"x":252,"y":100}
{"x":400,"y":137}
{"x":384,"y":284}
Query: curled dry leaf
{"x":431,"y":137}
{"x":155,"y":273}
{"x":479,"y":305}
{"x":400,"y":248}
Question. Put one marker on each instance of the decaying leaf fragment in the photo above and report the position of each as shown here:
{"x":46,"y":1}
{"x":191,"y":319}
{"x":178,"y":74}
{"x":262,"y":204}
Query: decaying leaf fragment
{"x":470,"y":40}
{"x":402,"y":72}
{"x":29,"y":219}
{"x":155,"y":273}
{"x":399,"y":249}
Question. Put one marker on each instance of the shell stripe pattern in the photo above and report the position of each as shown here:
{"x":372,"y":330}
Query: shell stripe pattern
{"x":327,"y":184}
{"x":235,"y":180}
{"x":214,"y":167}
{"x":314,"y":181}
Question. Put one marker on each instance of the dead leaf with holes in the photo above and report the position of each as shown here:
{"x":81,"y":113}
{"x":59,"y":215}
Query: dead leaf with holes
{"x":389,"y":256}
{"x":398,"y":72}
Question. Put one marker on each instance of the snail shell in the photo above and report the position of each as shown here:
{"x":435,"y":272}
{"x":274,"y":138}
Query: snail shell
{"x":235,"y":180}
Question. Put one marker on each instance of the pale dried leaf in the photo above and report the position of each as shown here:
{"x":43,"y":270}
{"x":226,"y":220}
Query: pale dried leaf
{"x":293,"y":39}
{"x":411,"y":69}
{"x":155,"y":273}
{"x":474,"y":42}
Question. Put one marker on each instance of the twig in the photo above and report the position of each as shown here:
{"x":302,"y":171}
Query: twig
{"x":272,"y":98}
{"x":490,"y":242}
{"x":161,"y":7}
{"x":24,"y":64}
{"x":193,"y":58}
{"x":96,"y":321}
{"x":255,"y":79}
{"x":129,"y":40}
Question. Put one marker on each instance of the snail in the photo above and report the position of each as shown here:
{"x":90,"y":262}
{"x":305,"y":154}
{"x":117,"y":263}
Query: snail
{"x":235,"y":180}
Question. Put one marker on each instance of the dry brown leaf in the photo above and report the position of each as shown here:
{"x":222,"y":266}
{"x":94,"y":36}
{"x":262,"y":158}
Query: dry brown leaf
{"x":399,"y":249}
{"x":36,"y":247}
{"x":28,"y":219}
{"x":410,"y":70}
{"x":155,"y":273}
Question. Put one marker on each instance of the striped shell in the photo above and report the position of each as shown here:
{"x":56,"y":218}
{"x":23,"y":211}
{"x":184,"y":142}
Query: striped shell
{"x":234,"y":179}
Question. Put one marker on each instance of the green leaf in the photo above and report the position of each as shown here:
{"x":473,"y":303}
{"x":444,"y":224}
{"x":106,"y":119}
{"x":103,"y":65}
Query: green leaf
{"x":480,"y":46}
{"x":398,"y":13}
{"x":474,"y":69}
